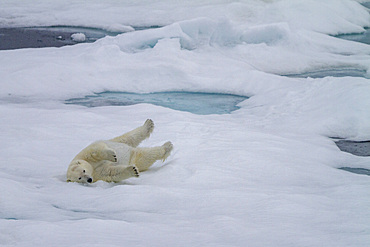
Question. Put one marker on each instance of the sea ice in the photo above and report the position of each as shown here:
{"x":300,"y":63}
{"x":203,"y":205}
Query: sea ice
{"x":263,"y":175}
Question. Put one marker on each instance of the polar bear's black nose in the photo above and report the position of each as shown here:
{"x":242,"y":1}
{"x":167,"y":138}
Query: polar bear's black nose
{"x":89,"y":180}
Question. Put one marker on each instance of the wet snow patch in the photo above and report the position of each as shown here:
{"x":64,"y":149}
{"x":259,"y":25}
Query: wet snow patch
{"x":194,"y":102}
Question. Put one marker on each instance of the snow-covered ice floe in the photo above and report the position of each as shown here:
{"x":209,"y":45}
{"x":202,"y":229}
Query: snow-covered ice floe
{"x":263,"y":175}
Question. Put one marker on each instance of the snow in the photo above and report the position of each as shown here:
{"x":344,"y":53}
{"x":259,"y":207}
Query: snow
{"x":78,"y":37}
{"x":264,"y":175}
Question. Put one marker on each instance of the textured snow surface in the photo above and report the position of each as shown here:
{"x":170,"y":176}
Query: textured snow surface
{"x":264,"y":175}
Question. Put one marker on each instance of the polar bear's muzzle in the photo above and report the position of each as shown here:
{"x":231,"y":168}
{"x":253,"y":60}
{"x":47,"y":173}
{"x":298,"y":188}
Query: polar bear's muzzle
{"x":86,"y":179}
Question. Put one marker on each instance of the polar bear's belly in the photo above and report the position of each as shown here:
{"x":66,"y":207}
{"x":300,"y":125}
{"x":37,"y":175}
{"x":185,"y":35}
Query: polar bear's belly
{"x":122,"y":150}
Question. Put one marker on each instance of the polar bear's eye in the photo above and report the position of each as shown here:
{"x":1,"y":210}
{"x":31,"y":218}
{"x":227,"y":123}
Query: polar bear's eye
{"x":79,"y":178}
{"x":83,"y":171}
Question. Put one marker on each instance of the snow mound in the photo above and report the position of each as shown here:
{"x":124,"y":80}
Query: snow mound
{"x":268,"y":34}
{"x":193,"y":34}
{"x":78,"y":37}
{"x":119,"y":28}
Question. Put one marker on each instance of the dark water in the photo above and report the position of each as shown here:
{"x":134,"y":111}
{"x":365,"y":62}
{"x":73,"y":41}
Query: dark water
{"x":358,"y":37}
{"x":361,"y":171}
{"x":51,"y":36}
{"x":367,"y":5}
{"x":361,"y":148}
{"x":334,"y":72}
{"x":16,"y":38}
{"x":37,"y":37}
{"x":194,"y":102}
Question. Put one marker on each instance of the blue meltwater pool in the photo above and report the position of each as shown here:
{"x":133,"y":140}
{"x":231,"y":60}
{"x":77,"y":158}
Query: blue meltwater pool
{"x":194,"y":102}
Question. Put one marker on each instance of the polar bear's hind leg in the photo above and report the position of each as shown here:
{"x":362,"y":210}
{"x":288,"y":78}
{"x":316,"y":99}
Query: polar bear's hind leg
{"x":167,"y":150}
{"x":143,"y":158}
{"x":136,"y":136}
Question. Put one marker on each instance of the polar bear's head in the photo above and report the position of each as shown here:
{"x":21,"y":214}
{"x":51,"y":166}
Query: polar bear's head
{"x":80,"y":171}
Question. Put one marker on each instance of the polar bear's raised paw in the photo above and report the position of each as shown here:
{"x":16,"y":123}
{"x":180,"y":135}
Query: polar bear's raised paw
{"x":149,"y":125}
{"x":167,"y":150}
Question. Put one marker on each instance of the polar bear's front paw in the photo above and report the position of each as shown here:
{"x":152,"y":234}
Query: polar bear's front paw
{"x":133,"y":171}
{"x":149,"y":125}
{"x":111,"y":155}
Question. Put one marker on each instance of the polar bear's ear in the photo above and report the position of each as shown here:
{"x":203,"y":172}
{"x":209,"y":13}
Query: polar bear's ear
{"x":78,"y":163}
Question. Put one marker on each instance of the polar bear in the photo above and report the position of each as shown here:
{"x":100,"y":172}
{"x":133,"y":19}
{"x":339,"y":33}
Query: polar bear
{"x":117,"y":159}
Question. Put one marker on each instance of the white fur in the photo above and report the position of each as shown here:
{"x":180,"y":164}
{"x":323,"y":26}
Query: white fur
{"x":117,"y":159}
